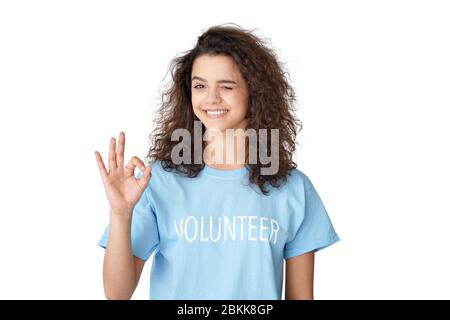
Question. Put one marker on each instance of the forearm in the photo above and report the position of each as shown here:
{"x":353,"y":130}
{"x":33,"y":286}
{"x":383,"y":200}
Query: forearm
{"x":119,"y":278}
{"x":300,"y":277}
{"x":299,"y":294}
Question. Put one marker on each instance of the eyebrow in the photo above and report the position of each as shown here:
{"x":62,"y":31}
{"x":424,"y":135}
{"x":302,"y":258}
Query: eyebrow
{"x":218,"y":81}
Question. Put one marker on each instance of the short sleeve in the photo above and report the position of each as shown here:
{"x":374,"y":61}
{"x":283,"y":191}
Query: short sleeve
{"x":144,"y":228}
{"x":316,"y":230}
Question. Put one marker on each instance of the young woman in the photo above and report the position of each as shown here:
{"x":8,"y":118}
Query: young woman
{"x":219,"y":229}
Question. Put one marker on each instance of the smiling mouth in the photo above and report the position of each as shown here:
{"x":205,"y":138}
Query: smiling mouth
{"x":216,"y":113}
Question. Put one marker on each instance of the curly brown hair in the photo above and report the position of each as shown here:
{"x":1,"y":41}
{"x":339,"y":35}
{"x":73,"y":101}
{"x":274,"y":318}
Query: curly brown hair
{"x":271,"y":103}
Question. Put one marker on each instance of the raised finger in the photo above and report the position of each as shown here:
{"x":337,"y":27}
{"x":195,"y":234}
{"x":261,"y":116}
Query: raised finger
{"x":112,"y":155}
{"x":101,"y":165}
{"x":121,"y":149}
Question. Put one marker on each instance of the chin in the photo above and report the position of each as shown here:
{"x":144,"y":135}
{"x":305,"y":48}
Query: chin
{"x":215,"y":126}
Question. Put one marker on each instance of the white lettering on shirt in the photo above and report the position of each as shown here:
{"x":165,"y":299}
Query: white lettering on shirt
{"x":217,"y":229}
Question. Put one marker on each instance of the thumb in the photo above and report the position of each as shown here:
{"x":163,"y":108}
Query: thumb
{"x":145,"y":178}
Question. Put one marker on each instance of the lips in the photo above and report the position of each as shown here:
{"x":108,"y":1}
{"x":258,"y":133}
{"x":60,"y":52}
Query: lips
{"x":215,"y":113}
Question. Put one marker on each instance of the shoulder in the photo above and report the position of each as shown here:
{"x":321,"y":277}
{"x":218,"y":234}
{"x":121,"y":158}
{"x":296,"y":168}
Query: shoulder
{"x":162,"y":177}
{"x":159,"y":168}
{"x":156,"y":167}
{"x":158,"y":172}
{"x":297,"y":181}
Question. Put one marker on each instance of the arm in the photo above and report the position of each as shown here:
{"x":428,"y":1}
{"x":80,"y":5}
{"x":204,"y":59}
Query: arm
{"x":121,"y":270}
{"x":300,"y":277}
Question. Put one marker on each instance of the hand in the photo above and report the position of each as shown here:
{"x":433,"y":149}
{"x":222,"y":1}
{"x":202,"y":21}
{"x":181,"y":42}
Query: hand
{"x":123,"y":190}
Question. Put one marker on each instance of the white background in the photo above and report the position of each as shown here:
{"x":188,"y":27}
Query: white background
{"x":373,"y":84}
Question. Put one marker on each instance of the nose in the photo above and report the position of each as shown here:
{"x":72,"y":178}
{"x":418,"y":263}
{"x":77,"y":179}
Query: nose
{"x":213,"y":96}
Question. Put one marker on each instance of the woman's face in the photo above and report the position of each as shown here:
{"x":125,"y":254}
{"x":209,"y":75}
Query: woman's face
{"x":219,"y":92}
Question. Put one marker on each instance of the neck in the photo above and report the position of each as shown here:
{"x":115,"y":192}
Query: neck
{"x":226,"y":150}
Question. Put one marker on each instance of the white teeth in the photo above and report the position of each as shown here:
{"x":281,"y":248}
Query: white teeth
{"x":216,"y":112}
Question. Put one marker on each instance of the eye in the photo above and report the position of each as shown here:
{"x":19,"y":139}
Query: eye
{"x":198,"y":85}
{"x":227,"y":88}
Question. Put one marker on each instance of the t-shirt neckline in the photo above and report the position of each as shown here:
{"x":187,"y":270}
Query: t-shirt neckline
{"x":222,"y":173}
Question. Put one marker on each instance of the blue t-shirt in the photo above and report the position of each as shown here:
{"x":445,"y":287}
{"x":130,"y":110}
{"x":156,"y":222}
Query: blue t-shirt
{"x":216,"y":236}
